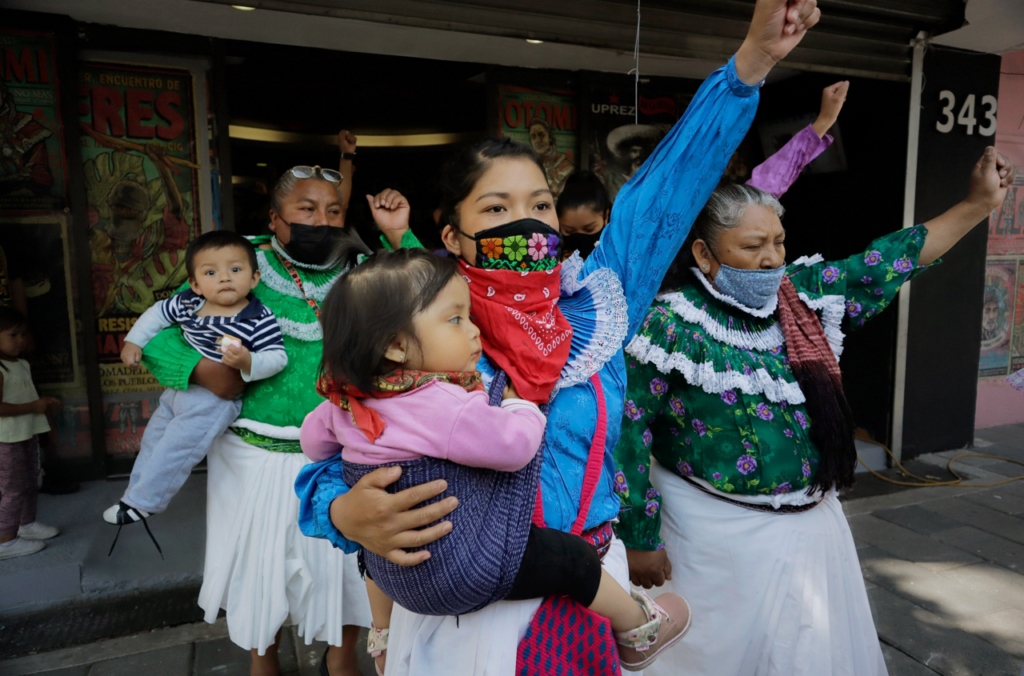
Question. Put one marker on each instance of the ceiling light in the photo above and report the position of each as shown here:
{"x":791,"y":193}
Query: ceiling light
{"x":536,"y":42}
{"x":244,"y":8}
{"x":261,"y":164}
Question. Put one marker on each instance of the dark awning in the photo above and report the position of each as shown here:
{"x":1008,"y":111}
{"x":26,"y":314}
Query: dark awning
{"x":856,"y":37}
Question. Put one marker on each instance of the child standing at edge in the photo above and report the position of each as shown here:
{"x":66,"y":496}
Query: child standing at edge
{"x":22,"y":417}
{"x":223,"y":321}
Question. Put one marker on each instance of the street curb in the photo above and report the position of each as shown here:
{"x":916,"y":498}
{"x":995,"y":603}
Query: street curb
{"x":114,"y":648}
{"x":88,"y":620}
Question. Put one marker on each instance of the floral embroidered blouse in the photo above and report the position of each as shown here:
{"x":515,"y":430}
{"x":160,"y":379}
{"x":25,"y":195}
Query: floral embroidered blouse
{"x":711,"y":395}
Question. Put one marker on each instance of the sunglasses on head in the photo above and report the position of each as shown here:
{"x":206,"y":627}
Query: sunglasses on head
{"x":302,"y":171}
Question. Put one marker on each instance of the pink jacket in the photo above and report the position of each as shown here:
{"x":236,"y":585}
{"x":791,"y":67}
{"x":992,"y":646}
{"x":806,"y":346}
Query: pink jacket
{"x":439,"y":420}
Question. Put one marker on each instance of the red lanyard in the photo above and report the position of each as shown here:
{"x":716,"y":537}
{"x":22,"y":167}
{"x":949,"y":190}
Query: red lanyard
{"x":298,"y":282}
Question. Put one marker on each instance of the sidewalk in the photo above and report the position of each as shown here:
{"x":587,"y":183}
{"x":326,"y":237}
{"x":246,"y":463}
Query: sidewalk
{"x":75,"y":566}
{"x":944,"y":568}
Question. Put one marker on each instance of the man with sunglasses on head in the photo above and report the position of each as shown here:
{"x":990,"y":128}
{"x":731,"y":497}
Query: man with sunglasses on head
{"x":259,"y":567}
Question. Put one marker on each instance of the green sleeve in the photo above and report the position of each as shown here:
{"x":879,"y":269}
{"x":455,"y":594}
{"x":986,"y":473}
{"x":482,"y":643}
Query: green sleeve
{"x":639,"y":525}
{"x":869,"y":281}
{"x":169,"y":357}
{"x":409,"y":241}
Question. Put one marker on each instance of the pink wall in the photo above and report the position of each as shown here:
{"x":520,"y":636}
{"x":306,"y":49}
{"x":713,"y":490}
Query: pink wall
{"x":998,"y":403}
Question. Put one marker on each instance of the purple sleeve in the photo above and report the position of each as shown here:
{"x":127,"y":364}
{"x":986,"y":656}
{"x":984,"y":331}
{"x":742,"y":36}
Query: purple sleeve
{"x":780,"y":171}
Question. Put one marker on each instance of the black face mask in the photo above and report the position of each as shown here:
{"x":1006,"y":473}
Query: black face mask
{"x":313,"y":244}
{"x":582,"y":242}
{"x":526,"y":245}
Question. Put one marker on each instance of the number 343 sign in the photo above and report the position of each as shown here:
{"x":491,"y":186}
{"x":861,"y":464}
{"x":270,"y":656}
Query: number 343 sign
{"x":966,"y":116}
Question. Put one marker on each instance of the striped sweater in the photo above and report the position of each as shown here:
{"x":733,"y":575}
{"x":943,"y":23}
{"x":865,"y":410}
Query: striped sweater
{"x":255,"y":326}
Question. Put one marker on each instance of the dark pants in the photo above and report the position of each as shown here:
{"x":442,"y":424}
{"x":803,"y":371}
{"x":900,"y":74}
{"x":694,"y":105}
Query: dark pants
{"x":19,"y":484}
{"x":557,"y":564}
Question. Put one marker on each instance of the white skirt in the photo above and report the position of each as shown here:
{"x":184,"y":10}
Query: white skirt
{"x":259,"y":567}
{"x":484,"y":643}
{"x":771,"y":594}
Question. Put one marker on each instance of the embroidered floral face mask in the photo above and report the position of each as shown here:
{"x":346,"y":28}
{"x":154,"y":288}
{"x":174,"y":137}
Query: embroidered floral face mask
{"x":526,"y":245}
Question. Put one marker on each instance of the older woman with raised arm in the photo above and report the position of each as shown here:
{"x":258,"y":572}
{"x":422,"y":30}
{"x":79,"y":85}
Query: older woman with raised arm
{"x":735,"y":389}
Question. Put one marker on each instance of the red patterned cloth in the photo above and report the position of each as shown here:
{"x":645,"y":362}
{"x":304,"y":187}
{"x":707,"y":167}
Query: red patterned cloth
{"x":566,"y":639}
{"x":521,"y":327}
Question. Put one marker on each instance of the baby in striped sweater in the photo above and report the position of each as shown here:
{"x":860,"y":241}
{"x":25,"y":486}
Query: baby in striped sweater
{"x":222,"y":319}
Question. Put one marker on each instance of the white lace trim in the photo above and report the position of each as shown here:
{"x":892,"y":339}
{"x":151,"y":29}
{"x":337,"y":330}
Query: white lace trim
{"x":290,"y":433}
{"x":571,"y":269}
{"x":763,"y":312}
{"x":703,"y":375}
{"x":808,"y":261}
{"x":287,"y":286}
{"x":611,"y":320}
{"x":760,"y":341}
{"x":308,"y":332}
{"x":832,"y":309}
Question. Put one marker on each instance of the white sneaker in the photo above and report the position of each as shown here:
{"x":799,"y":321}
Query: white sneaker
{"x":122,"y":514}
{"x":20,"y":547}
{"x":37,"y":531}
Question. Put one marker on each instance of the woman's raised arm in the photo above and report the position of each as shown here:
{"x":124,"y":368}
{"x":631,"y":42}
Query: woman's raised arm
{"x":991,"y":176}
{"x":654,"y":211}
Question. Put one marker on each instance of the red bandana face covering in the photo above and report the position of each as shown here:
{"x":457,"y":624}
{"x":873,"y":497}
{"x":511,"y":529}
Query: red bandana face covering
{"x":522,"y":330}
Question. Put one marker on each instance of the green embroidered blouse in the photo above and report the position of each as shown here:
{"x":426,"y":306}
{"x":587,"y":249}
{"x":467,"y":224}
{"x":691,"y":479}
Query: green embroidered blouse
{"x":272,"y":409}
{"x":711,"y":394}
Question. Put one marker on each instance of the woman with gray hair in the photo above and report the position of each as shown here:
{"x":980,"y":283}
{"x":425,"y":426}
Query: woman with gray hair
{"x":735,"y":390}
{"x":259,"y":567}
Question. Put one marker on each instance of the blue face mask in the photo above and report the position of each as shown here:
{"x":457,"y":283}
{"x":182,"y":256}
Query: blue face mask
{"x":752,"y":288}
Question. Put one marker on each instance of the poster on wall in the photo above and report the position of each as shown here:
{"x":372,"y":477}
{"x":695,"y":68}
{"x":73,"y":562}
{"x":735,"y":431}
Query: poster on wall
{"x":33,"y":164}
{"x":997,"y":317}
{"x":547,"y":122}
{"x":622,"y":135}
{"x":1017,"y":339}
{"x":141,"y":166}
{"x":1006,"y":224}
{"x":124,"y":420}
{"x":34,"y":264}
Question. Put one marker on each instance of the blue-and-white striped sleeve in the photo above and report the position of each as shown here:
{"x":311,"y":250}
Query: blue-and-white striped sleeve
{"x":266,"y":334}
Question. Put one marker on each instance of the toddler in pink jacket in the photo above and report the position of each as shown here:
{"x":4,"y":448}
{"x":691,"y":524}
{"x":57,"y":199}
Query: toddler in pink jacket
{"x":399,"y":373}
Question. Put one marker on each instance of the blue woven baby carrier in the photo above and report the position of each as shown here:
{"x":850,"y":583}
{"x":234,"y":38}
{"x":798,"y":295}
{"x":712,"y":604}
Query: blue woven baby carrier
{"x":476,"y":563}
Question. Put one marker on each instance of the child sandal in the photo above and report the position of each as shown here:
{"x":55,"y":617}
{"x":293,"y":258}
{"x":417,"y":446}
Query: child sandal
{"x":377,"y":646}
{"x":668,"y":620}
